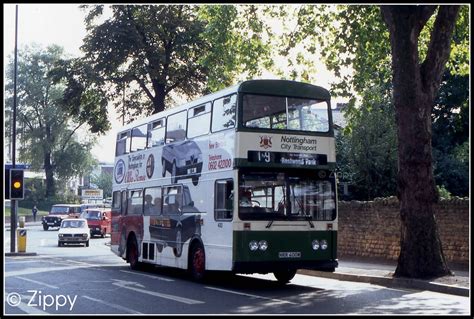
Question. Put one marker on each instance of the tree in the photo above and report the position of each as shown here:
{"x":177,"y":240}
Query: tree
{"x":415,"y":87}
{"x":367,"y":153}
{"x":153,"y":50}
{"x":104,"y":182}
{"x":48,"y":138}
{"x":355,"y":45}
{"x":451,"y":134}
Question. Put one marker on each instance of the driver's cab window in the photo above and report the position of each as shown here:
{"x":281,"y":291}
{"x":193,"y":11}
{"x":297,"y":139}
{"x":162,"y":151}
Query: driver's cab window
{"x":245,"y":196}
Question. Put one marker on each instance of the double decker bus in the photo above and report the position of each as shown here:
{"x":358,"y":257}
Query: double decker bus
{"x":241,"y":180}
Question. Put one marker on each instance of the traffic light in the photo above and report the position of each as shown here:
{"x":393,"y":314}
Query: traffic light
{"x":16,"y":184}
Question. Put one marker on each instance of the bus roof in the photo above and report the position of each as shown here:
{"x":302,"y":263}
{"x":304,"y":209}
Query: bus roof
{"x":261,"y":86}
{"x":284,"y":88}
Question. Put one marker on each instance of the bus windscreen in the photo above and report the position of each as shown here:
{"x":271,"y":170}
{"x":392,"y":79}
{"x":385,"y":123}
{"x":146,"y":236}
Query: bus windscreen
{"x":285,"y":113}
{"x":282,"y":196}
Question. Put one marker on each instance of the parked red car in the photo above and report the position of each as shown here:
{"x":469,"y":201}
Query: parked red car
{"x":99,"y":220}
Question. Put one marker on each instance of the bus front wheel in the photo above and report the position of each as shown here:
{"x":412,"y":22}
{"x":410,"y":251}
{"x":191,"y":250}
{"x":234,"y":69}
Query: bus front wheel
{"x":285,"y":275}
{"x":197,"y":262}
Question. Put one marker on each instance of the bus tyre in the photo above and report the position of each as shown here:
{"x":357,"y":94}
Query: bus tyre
{"x":132,"y":252}
{"x":45,"y":227}
{"x":174,"y":171}
{"x":178,"y":250}
{"x":197,"y":262}
{"x":163,"y":167}
{"x":285,"y":275}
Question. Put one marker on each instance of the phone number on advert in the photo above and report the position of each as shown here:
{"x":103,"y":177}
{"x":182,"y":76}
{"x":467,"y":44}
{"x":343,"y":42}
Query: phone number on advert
{"x":220,"y":164}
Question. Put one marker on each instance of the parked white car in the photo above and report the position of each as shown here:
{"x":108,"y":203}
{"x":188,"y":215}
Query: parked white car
{"x":74,"y":231}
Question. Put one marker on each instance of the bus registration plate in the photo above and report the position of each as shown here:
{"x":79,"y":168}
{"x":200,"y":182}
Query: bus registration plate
{"x":289,"y":254}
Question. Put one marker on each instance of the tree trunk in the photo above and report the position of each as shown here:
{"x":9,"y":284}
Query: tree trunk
{"x":49,"y":172}
{"x":415,"y":87}
{"x":421,"y":253}
{"x":159,"y":98}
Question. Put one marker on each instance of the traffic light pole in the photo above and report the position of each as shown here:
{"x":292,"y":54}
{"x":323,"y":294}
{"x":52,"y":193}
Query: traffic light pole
{"x":13,"y":208}
{"x":13,"y":202}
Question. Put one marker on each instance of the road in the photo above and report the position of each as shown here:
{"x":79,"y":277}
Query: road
{"x":92,"y":280}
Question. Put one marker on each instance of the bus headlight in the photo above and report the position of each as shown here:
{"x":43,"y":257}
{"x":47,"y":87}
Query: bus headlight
{"x":324,"y":244}
{"x":263,"y":245}
{"x":315,"y":244}
{"x":253,"y":245}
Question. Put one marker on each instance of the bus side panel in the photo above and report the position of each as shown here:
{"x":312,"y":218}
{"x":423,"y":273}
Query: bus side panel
{"x":216,"y":235}
{"x":115,"y":232}
{"x":194,"y":167}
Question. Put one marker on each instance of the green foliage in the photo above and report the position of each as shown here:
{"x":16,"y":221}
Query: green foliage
{"x":443,"y":192}
{"x":155,"y":47}
{"x":451,"y":134}
{"x":367,"y":154}
{"x":146,"y":52}
{"x":235,"y":34}
{"x":104,"y":182}
{"x":34,"y":196}
{"x":354,"y":44}
{"x":81,"y":97}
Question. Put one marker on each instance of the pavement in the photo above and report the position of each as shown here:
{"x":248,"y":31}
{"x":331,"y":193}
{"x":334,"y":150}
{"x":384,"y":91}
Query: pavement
{"x":380,"y":272}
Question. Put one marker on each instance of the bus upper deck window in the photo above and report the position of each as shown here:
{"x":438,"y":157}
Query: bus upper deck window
{"x":176,"y":127}
{"x":199,"y":120}
{"x":223,"y":113}
{"x":139,"y":136}
{"x":123,"y":143}
{"x":156,"y":133}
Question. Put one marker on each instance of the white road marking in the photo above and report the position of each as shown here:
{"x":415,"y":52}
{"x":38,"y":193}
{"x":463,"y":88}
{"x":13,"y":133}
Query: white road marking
{"x":37,"y":282}
{"x":118,"y":307}
{"x":145,"y":275}
{"x":130,"y":284}
{"x":250,"y":295}
{"x":40,"y":270}
{"x":20,"y":261}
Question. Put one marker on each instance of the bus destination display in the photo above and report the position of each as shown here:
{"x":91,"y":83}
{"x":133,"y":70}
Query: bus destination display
{"x":286,"y":158}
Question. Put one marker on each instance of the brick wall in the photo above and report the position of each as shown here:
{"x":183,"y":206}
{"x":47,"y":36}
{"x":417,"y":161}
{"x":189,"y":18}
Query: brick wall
{"x":372,"y":229}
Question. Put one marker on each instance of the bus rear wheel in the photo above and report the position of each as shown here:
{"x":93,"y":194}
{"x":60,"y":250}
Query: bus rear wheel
{"x":197,"y":262}
{"x":284,"y":276}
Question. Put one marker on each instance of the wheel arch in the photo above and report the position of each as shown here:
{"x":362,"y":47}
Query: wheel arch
{"x":130,"y":236}
{"x":195,"y":240}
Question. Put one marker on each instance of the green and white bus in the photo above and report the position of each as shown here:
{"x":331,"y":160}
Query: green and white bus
{"x":241,"y":180}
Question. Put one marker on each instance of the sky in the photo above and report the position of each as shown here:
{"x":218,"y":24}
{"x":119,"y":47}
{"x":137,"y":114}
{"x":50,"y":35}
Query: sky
{"x":63,"y":24}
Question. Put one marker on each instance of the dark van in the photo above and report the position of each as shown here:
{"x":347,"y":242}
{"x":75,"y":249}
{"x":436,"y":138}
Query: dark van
{"x":59,"y":212}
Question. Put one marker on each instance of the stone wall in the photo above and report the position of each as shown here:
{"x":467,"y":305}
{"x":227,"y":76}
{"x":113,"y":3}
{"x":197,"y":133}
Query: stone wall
{"x":372,"y":229}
